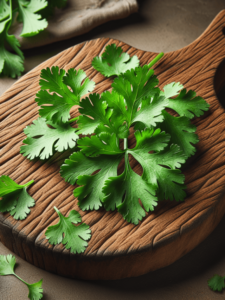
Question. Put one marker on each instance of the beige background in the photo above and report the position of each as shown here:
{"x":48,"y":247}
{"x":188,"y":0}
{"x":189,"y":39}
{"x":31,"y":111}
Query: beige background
{"x":158,"y":26}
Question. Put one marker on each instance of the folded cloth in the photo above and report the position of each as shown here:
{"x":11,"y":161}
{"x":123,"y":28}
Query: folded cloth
{"x":78,"y":17}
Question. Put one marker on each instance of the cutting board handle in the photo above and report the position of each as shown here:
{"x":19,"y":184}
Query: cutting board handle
{"x":197,"y":63}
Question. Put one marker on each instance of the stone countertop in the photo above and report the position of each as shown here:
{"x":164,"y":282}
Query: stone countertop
{"x":158,"y":26}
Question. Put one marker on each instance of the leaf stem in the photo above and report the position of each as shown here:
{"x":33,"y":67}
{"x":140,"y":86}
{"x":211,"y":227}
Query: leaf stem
{"x":125,"y":143}
{"x":28,"y":183}
{"x":21,"y":279}
{"x":157,"y":58}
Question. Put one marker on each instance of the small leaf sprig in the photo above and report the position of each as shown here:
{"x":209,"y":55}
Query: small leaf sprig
{"x":72,"y":237}
{"x":7,"y":265}
{"x":15,"y":198}
{"x":216,"y":283}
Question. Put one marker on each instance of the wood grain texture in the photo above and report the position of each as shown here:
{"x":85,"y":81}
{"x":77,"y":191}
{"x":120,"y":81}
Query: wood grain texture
{"x":118,"y":249}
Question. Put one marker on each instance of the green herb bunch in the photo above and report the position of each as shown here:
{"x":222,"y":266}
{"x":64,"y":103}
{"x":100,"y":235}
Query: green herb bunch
{"x":32,"y":14}
{"x":134,"y":106}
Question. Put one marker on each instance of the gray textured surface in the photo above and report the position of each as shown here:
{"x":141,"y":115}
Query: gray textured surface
{"x":159,"y":26}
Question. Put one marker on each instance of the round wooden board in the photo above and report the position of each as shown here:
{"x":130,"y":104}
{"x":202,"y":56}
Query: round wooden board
{"x":118,"y":249}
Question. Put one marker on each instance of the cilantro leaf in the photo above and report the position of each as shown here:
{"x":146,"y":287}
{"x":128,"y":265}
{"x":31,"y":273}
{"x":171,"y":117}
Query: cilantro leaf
{"x":7,"y":264}
{"x":182,"y":132}
{"x":7,"y":185}
{"x":168,"y":180}
{"x":97,"y":117}
{"x":186,"y":104}
{"x":42,"y":140}
{"x":134,"y":86}
{"x":117,"y":113}
{"x":35,"y":290}
{"x":78,"y":168}
{"x":114,"y":61}
{"x":104,"y":143}
{"x":125,"y":190}
{"x":10,"y":63}
{"x":32,"y":24}
{"x":216,"y":283}
{"x":4,"y":10}
{"x":72,"y":237}
{"x":15,"y":198}
{"x":172,"y":89}
{"x":17,"y":203}
{"x":150,"y":112}
{"x":93,"y":114}
{"x":63,"y":99}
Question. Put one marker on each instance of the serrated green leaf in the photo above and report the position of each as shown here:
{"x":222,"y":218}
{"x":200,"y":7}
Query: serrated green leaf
{"x":124,"y":192}
{"x":63,"y":99}
{"x":104,"y":143}
{"x":72,"y":237}
{"x":114,"y":61}
{"x":134,"y":86}
{"x":172,"y":89}
{"x":10,"y":63}
{"x":42,"y":140}
{"x":182,"y":132}
{"x":159,"y":168}
{"x":150,"y":112}
{"x":7,"y":264}
{"x":93,"y":110}
{"x":4,"y":10}
{"x":78,"y":168}
{"x":15,"y":198}
{"x":216,"y":283}
{"x":7,"y":185}
{"x":17,"y":203}
{"x":36,"y":5}
{"x":188,"y":105}
{"x":35,"y":290}
{"x":32,"y":22}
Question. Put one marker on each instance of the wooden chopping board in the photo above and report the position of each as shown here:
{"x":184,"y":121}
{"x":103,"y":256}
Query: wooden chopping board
{"x":118,"y":249}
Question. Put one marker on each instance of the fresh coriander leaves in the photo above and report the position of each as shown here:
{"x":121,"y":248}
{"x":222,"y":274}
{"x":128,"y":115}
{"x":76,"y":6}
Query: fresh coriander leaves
{"x":79,"y":168}
{"x":10,"y":64}
{"x":182,"y":132}
{"x":124,"y":191}
{"x":4,"y":10}
{"x":188,"y":105}
{"x":56,"y":106}
{"x":216,"y":283}
{"x":114,"y":61}
{"x":160,"y":169}
{"x":42,"y":140}
{"x":102,"y":168}
{"x":32,"y":24}
{"x":32,"y":14}
{"x":15,"y":198}
{"x":93,"y":113}
{"x":7,"y":265}
{"x":60,"y":91}
{"x":72,"y":237}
